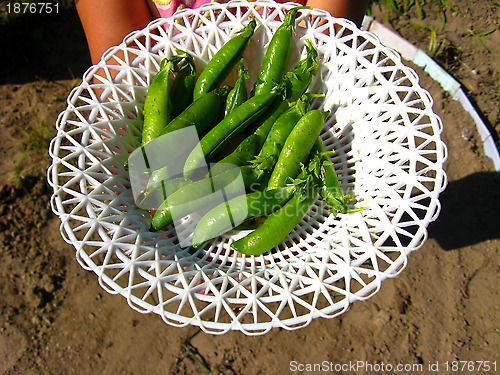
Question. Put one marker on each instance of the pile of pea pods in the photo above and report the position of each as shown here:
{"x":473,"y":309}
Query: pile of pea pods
{"x":271,"y":132}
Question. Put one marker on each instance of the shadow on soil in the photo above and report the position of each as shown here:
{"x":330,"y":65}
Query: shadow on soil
{"x":470,"y":211}
{"x":42,"y":46}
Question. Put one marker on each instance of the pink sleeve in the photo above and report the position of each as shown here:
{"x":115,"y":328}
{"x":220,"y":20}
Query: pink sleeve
{"x":166,"y":10}
{"x":169,"y":9}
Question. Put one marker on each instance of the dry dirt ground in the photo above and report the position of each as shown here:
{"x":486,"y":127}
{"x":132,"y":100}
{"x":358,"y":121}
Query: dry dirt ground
{"x":55,"y":319}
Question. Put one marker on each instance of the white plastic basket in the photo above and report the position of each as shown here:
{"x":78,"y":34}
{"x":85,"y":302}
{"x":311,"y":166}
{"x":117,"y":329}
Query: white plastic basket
{"x":388,"y":152}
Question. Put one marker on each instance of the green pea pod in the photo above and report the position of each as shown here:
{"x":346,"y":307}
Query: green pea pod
{"x":154,"y":198}
{"x":181,"y":93}
{"x":254,"y":205}
{"x":297,"y":148}
{"x":298,"y":80}
{"x":240,"y":156}
{"x":296,"y":84}
{"x":202,"y":113}
{"x":198,"y":195}
{"x":330,"y":190}
{"x":223,"y":62}
{"x":278,"y":225}
{"x":231,"y":213}
{"x":278,"y":134}
{"x":239,"y":93}
{"x":163,"y":174}
{"x":277,"y":55}
{"x":157,"y":105}
{"x":233,"y":124}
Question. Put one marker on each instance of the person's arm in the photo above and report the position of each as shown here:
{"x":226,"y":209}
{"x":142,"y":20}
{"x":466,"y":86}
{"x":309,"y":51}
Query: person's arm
{"x":107,"y":22}
{"x":353,"y":10}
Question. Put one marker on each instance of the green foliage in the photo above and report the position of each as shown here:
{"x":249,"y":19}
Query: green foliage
{"x":479,"y":36}
{"x":438,"y":44}
{"x":35,"y":140}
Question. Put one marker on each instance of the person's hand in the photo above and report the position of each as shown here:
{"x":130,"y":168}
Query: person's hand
{"x":353,"y":10}
{"x":107,"y":22}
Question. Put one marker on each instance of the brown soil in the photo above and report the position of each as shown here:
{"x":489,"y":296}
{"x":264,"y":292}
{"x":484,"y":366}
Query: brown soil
{"x":56,"y":319}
